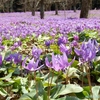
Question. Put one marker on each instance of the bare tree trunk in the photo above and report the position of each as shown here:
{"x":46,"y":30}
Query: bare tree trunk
{"x":11,"y":5}
{"x":95,"y":4}
{"x":49,"y":7}
{"x":25,"y":2}
{"x":91,"y":5}
{"x":42,"y":9}
{"x":33,"y":8}
{"x":56,"y":8}
{"x":74,"y":4}
{"x":3,"y":10}
{"x":85,"y":8}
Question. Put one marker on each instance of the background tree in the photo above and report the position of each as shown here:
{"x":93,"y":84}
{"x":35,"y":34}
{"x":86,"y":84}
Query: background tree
{"x":42,"y":9}
{"x":74,"y":5}
{"x":56,"y":8}
{"x":28,"y":5}
{"x":19,"y":5}
{"x":85,"y":8}
{"x":33,"y":7}
{"x":1,"y":5}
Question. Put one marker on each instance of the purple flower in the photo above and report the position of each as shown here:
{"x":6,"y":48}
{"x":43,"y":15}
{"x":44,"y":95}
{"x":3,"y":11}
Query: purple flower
{"x":0,"y":40}
{"x":32,"y":65}
{"x":76,"y":37}
{"x":16,"y":58}
{"x":16,"y":45}
{"x":12,"y":48}
{"x":62,"y":40}
{"x":63,"y":49}
{"x":79,"y":29}
{"x":94,"y":42}
{"x":36,"y":52}
{"x":0,"y":60}
{"x":2,"y":47}
{"x":58,"y":62}
{"x":87,"y":51}
{"x":47,"y":43}
{"x":74,"y":43}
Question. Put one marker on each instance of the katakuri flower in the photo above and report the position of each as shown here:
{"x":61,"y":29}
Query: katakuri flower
{"x":87,"y":51}
{"x":32,"y":65}
{"x":65,"y":49}
{"x":36,"y":52}
{"x":48,"y":43}
{"x":58,"y":62}
{"x":62,"y":40}
{"x":16,"y":58}
{"x":76,"y":37}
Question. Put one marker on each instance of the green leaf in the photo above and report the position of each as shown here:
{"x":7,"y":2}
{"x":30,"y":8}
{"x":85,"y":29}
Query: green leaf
{"x":7,"y":53}
{"x":8,"y":77}
{"x":15,"y":90}
{"x":45,"y":84}
{"x":43,"y":38}
{"x":23,"y":81}
{"x":55,"y":49}
{"x":55,"y":90}
{"x":24,"y":90}
{"x":31,"y":85}
{"x":3,"y":92}
{"x":70,"y":88}
{"x":75,"y":63}
{"x":2,"y":69}
{"x":17,"y":84}
{"x":95,"y":92}
{"x":72,"y":73}
{"x":40,"y":86}
{"x":25,"y":97}
{"x":5,"y":84}
{"x":8,"y":98}
{"x":87,"y":88}
{"x":28,"y":96}
{"x":83,"y":95}
{"x":69,"y":98}
{"x":98,"y":80}
{"x":97,"y":58}
{"x":86,"y":94}
{"x":91,"y":34}
{"x":80,"y":95}
{"x":45,"y":96}
{"x":41,"y":90}
{"x":17,"y":71}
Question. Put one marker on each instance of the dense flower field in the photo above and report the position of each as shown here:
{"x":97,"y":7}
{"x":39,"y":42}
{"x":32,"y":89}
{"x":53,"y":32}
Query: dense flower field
{"x":57,"y":58}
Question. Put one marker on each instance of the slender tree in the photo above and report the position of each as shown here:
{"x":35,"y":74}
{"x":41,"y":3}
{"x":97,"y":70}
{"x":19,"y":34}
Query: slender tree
{"x":95,"y":4}
{"x":33,"y":8}
{"x":2,"y":6}
{"x":11,"y":5}
{"x":42,"y":9}
{"x":25,"y":2}
{"x":74,"y":4}
{"x":85,"y":7}
{"x":56,"y":8}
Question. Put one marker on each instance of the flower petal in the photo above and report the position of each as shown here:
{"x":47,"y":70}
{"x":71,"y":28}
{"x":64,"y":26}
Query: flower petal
{"x":77,"y":51}
{"x":0,"y":59}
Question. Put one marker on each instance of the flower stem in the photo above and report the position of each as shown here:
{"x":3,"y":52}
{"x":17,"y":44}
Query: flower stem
{"x":67,"y":78}
{"x":49,"y":83}
{"x":82,"y":76}
{"x":36,"y":85}
{"x":89,"y":79}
